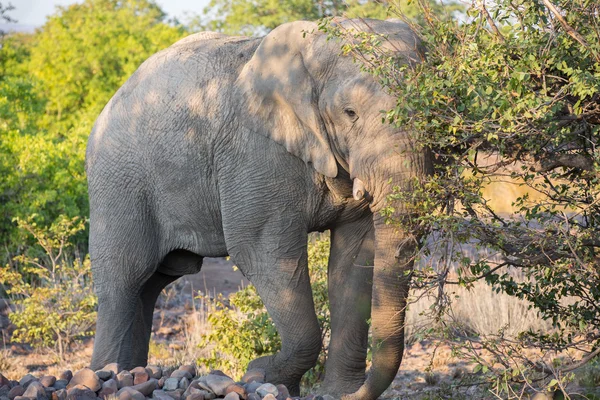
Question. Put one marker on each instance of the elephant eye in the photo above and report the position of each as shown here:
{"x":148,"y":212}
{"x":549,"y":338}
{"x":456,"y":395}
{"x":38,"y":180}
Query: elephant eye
{"x":351,"y":114}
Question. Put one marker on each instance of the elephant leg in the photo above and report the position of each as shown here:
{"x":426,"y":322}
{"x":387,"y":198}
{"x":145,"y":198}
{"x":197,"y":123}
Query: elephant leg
{"x":284,"y":287}
{"x":350,"y":276}
{"x":118,"y":306}
{"x":144,"y":314}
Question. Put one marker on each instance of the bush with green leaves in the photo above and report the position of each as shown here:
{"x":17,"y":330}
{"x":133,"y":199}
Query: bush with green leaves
{"x":241,"y":329}
{"x":509,"y":93}
{"x":55,"y":306}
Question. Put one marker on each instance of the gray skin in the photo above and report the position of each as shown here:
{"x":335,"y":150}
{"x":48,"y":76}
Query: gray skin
{"x":236,"y":146}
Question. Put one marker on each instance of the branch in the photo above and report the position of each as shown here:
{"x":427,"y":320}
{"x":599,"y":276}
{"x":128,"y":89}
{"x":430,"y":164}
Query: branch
{"x":554,"y":161}
{"x":568,"y":28}
{"x":490,"y":21}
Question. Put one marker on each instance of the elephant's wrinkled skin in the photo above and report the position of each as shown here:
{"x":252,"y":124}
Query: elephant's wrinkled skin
{"x":235,"y":146}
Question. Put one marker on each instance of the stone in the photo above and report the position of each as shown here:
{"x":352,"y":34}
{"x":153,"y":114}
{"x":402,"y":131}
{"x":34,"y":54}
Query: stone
{"x":327,"y":397}
{"x":26,"y":380}
{"x":105,"y":375}
{"x":4,"y":381}
{"x":160,"y":395}
{"x":269,"y":396}
{"x":232,"y":396}
{"x":208,"y":395}
{"x":49,"y":391}
{"x":171,"y":384}
{"x":253,"y":396}
{"x":283,"y":392}
{"x":174,"y":394}
{"x":4,"y":391}
{"x":252,"y":386}
{"x":85,"y":377}
{"x":193,"y":387}
{"x":254,"y":375}
{"x":217,"y":383}
{"x":189,"y":368}
{"x":48,"y":380}
{"x":65,"y":375}
{"x":60,"y":394}
{"x":146,"y":388}
{"x":60,"y":384}
{"x":16,"y":391}
{"x":140,"y":377}
{"x":124,"y":379}
{"x":237,"y":389}
{"x":195,"y":396}
{"x":35,"y":390}
{"x":127,"y":393}
{"x":109,"y":388}
{"x":155,"y":371}
{"x":267,"y":388}
{"x":184,"y":383}
{"x":80,"y":392}
{"x":179,"y":373}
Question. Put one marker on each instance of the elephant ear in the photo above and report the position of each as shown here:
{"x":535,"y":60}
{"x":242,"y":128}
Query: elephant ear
{"x":281,"y":96}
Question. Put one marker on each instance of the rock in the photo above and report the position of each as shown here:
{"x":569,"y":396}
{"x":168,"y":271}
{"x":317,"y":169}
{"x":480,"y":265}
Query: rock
{"x":124,"y":379}
{"x":155,"y":371}
{"x":48,"y":380}
{"x":26,"y":380}
{"x":174,"y":394}
{"x":160,"y":395}
{"x":127,"y":393}
{"x":60,"y":394}
{"x":269,"y":396}
{"x":191,"y":369}
{"x":35,"y":390}
{"x":80,"y":392}
{"x":252,"y":386}
{"x":4,"y":391}
{"x":195,"y":396}
{"x":114,"y":367}
{"x":208,"y":395}
{"x":105,"y":375}
{"x":16,"y":391}
{"x":232,"y":396}
{"x":140,"y":377}
{"x":265,"y":389}
{"x":218,"y":372}
{"x":85,"y":377}
{"x":254,"y":375}
{"x":184,"y":383}
{"x":253,"y":396}
{"x":237,"y":389}
{"x":65,"y":375}
{"x":60,"y":384}
{"x":193,"y":387}
{"x":179,"y":373}
{"x":283,"y":393}
{"x":109,"y":388}
{"x":4,"y":381}
{"x":327,"y":397}
{"x":49,"y":391}
{"x":171,"y":384}
{"x":217,"y":383}
{"x":146,"y":388}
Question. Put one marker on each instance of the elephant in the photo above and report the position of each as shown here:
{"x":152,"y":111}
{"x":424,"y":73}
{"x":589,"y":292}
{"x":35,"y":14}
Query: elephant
{"x":234,"y":146}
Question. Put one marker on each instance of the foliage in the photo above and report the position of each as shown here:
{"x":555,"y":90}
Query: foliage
{"x":57,"y":307}
{"x":241,"y":329}
{"x":510,"y":94}
{"x":53,"y":84}
{"x":250,"y":17}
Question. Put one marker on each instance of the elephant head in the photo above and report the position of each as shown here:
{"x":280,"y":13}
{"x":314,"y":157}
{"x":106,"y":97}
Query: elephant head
{"x":322,"y":108}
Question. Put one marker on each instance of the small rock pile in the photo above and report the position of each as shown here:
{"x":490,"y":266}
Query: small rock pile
{"x":152,"y":382}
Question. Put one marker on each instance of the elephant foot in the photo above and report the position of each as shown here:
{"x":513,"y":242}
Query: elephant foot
{"x":341,"y":388}
{"x":277,"y":372}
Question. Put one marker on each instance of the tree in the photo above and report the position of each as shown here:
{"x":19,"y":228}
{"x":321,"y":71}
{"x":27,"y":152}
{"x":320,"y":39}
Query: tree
{"x":511,"y":94}
{"x":250,"y":17}
{"x":54,"y":83}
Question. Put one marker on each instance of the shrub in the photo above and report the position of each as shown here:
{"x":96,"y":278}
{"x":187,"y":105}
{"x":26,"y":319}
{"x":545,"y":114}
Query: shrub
{"x":55,"y":306}
{"x":241,"y":329}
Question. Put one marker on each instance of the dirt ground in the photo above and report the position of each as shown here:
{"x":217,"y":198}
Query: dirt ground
{"x":421,"y":376}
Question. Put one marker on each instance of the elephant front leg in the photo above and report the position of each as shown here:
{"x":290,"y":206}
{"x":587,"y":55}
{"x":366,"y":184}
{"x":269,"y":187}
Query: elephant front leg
{"x":282,"y":281}
{"x":350,"y":283}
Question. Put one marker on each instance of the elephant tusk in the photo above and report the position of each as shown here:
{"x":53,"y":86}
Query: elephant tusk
{"x":358,"y":189}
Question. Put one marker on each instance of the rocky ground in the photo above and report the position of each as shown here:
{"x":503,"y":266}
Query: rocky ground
{"x":427,"y":371}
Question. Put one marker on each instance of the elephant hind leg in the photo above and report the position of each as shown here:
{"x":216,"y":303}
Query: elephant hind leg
{"x":144,"y":315}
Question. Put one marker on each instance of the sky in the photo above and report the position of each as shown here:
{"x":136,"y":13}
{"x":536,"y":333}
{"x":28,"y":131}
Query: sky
{"x":33,"y":13}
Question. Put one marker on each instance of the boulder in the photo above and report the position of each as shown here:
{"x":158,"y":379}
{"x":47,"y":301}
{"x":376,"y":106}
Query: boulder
{"x":85,"y":377}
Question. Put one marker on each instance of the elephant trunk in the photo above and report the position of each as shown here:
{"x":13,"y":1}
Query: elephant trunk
{"x":394,"y":252}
